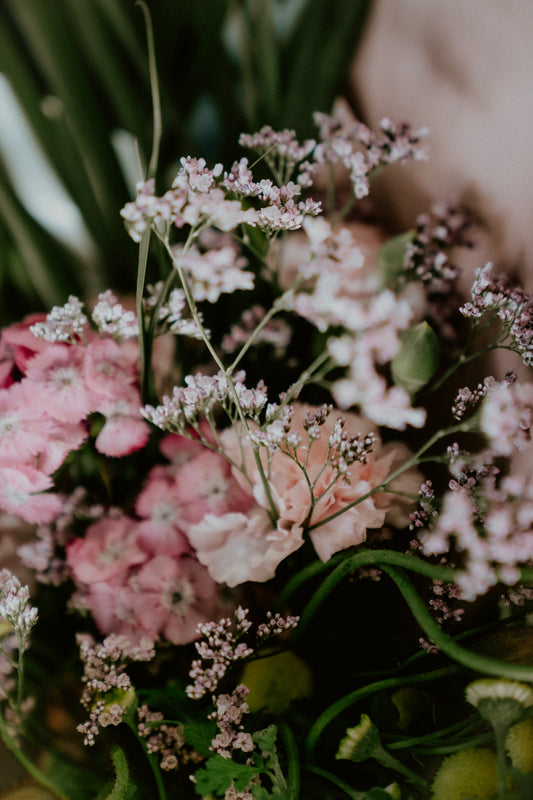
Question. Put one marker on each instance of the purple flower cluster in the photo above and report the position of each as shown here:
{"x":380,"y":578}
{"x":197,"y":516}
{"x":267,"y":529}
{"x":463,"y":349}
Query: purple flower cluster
{"x":511,"y":305}
{"x":107,"y":692}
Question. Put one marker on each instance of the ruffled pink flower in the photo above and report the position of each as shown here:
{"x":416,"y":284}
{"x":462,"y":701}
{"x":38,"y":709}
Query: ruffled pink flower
{"x":107,"y":551}
{"x":291,"y":496}
{"x":175,"y":595}
{"x":160,"y":513}
{"x":206,"y":485}
{"x":57,"y":378}
{"x":24,"y":429}
{"x":110,"y":368}
{"x":23,"y":493}
{"x":64,"y":437}
{"x":20,"y":343}
{"x":242,"y":547}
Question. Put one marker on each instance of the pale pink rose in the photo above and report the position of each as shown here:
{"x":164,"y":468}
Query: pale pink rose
{"x":23,"y":493}
{"x":108,"y":549}
{"x":242,"y":547}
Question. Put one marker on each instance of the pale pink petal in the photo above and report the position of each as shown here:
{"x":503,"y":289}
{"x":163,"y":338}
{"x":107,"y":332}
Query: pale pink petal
{"x":22,"y":493}
{"x":122,"y":435}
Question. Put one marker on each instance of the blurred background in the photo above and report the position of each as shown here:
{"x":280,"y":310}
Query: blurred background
{"x":76,"y":117}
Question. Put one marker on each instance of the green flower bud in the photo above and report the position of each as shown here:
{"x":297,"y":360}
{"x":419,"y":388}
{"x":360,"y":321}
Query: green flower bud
{"x":417,"y":359}
{"x":500,"y":702}
{"x":361,"y":742}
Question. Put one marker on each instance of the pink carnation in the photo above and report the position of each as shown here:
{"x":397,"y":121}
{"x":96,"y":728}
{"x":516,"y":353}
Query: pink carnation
{"x":254,"y":539}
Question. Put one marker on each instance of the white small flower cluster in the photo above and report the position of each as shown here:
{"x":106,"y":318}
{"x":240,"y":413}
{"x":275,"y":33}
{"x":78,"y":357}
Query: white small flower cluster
{"x":213,"y":272}
{"x":15,"y":608}
{"x":200,"y":396}
{"x":63,"y":323}
{"x":343,"y":139}
{"x":111,"y":318}
{"x":218,"y":649}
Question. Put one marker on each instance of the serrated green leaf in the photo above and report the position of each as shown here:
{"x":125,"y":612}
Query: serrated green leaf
{"x":219,"y":773}
{"x":200,"y":735}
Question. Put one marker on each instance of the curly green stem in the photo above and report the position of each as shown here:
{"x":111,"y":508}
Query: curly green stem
{"x":348,"y":700}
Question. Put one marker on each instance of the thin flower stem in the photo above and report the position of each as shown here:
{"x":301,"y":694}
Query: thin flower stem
{"x":348,"y":700}
{"x":340,"y":784}
{"x":433,"y":631}
{"x":144,"y":358}
{"x":500,"y":734}
{"x":460,"y":362}
{"x":161,"y":791}
{"x":253,"y":336}
{"x":157,"y":126}
{"x":293,"y":762}
{"x":273,"y":512}
{"x":365,"y":558}
{"x":28,"y":765}
{"x":411,"y":462}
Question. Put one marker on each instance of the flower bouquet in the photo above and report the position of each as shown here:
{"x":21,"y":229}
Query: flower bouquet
{"x":276,"y":529}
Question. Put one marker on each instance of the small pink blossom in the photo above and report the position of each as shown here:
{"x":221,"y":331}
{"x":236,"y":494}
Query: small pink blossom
{"x":57,"y":378}
{"x":174,"y":595}
{"x":124,"y":430}
{"x":108,"y":549}
{"x":24,"y":429}
{"x":23,"y":493}
{"x":206,"y":485}
{"x":159,"y":509}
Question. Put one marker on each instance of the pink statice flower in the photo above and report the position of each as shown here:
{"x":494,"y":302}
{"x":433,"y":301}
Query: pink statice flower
{"x":213,"y":272}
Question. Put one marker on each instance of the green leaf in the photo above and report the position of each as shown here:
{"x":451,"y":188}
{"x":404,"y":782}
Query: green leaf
{"x":390,"y":257}
{"x":219,"y":773}
{"x":417,"y":359}
{"x":200,"y":735}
